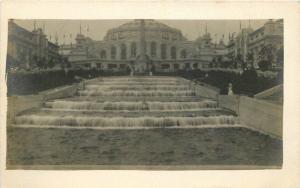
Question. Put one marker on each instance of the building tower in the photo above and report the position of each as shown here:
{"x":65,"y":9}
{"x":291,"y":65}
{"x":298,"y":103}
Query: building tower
{"x":142,"y":64}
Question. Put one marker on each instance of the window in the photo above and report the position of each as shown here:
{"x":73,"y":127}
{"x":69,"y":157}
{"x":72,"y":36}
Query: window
{"x":112,"y":66}
{"x":120,"y":35}
{"x":173,"y":52}
{"x":122,"y":66}
{"x":103,"y":54}
{"x":123,"y":51}
{"x":183,"y":54}
{"x":165,"y":36}
{"x":176,"y":66}
{"x":195,"y":65}
{"x":98,"y":65}
{"x":163,"y":49}
{"x":187,"y":65}
{"x":133,"y":49}
{"x":165,"y":66}
{"x":153,"y":49}
{"x":113,"y":52}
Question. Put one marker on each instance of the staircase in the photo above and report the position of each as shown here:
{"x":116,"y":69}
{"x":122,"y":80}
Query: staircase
{"x":130,"y":103}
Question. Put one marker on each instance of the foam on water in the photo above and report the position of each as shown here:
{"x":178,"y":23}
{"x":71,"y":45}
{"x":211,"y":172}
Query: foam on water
{"x":136,"y":87}
{"x":116,"y":94}
{"x":131,"y":106}
{"x":124,"y":122}
{"x":143,"y":93}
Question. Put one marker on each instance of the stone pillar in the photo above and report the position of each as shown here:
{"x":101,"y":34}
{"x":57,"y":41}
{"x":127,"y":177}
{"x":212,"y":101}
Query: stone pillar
{"x":141,"y":65}
{"x":142,"y":41}
{"x":158,"y":50}
{"x":118,"y":49}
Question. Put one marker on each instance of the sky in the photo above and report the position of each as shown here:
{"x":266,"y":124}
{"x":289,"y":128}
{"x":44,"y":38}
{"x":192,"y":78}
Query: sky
{"x":96,"y":29}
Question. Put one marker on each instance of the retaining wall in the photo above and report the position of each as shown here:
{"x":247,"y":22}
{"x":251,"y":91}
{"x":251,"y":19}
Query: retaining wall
{"x":258,"y":114}
{"x":18,"y":104}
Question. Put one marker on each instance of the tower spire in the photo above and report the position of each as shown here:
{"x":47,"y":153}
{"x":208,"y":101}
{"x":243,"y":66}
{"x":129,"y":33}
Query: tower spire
{"x":206,"y":28}
{"x":80,"y":28}
{"x":44,"y":28}
{"x":34,"y":24}
{"x":240,"y":25}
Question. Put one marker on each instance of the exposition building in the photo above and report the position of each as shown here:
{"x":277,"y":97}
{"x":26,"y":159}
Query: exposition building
{"x":141,"y":46}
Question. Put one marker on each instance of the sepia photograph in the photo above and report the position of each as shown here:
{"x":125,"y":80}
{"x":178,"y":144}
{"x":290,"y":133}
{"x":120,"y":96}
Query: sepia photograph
{"x":145,"y":94}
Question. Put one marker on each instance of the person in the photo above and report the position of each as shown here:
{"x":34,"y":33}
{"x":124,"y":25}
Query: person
{"x":230,"y":92}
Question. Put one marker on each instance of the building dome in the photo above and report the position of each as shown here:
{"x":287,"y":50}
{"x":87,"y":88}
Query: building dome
{"x":153,"y":30}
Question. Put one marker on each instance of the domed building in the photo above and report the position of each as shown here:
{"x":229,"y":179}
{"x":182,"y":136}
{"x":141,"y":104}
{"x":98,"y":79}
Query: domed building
{"x":138,"y":45}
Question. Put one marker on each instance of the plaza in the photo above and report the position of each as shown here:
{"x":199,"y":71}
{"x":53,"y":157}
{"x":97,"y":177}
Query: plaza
{"x":146,"y":97}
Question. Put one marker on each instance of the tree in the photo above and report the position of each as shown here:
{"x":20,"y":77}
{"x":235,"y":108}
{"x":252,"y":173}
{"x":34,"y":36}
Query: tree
{"x":230,"y":61}
{"x":280,"y":56}
{"x":35,"y":60}
{"x":238,"y":60}
{"x":40,"y":63}
{"x":219,"y":61}
{"x":214,"y":62}
{"x":51,"y":63}
{"x":250,"y":59}
{"x":11,"y":62}
{"x":264,"y":65}
{"x":266,"y":57}
{"x":226,"y":64}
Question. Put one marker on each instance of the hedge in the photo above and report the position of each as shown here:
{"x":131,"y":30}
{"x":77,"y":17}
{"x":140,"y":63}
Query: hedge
{"x":25,"y":83}
{"x":248,"y":83}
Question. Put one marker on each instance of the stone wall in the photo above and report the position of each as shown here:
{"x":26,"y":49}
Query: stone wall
{"x":205,"y":91}
{"x":257,"y":114}
{"x":61,"y":92}
{"x":18,"y":104}
{"x":261,"y":115}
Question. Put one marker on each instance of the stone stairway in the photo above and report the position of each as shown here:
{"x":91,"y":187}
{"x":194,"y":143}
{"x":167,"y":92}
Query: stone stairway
{"x":130,"y":102}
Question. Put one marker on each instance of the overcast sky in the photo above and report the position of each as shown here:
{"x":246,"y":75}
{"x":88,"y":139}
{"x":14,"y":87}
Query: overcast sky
{"x":98,"y":28}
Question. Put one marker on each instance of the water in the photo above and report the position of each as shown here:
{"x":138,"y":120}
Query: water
{"x":137,"y":87}
{"x":124,"y":122}
{"x":131,"y":106}
{"x":135,"y":93}
{"x":158,"y":102}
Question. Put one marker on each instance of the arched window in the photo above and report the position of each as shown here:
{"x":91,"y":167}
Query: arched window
{"x":103,"y":54}
{"x":183,"y":54}
{"x":123,"y":51}
{"x":113,"y":52}
{"x":173,"y":52}
{"x":163,"y":49}
{"x":133,"y":49}
{"x":153,"y":49}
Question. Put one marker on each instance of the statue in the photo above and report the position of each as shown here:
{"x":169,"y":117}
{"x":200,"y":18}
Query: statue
{"x":230,"y":92}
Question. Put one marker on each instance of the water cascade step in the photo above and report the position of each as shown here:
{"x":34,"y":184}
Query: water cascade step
{"x":135,"y":102}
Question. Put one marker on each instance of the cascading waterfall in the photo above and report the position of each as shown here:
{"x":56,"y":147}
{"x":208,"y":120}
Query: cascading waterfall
{"x":135,"y":87}
{"x":131,"y":106}
{"x":107,"y":102}
{"x":143,"y":93}
{"x":135,"y":83}
{"x":124,"y":122}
